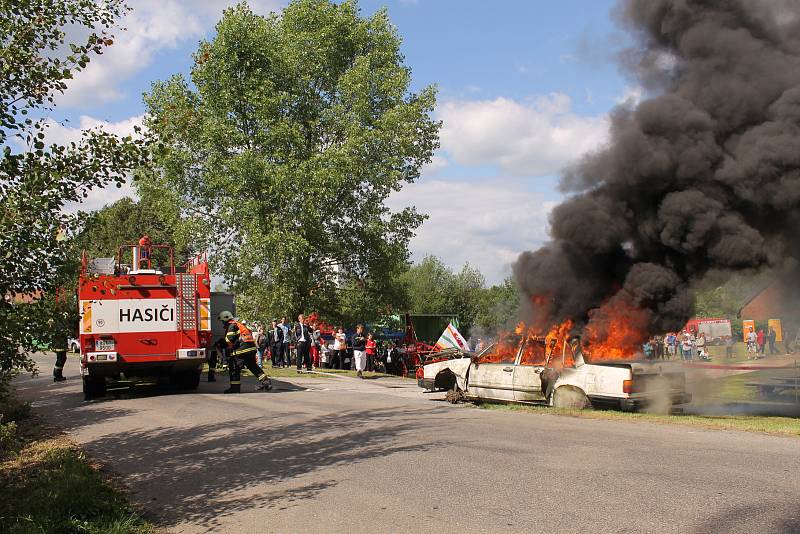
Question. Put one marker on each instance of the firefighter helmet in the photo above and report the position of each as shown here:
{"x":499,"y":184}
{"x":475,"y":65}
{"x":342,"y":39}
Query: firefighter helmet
{"x":225,"y":316}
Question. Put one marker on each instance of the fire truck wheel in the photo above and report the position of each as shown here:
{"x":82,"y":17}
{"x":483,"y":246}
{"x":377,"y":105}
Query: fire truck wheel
{"x":193,"y":379}
{"x":93,"y":386}
{"x":186,"y":379}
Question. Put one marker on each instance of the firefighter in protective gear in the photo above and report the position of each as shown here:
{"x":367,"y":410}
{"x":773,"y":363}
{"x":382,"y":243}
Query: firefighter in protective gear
{"x":60,"y":348}
{"x":242,"y":349}
{"x":215,"y":351}
{"x":59,"y":327}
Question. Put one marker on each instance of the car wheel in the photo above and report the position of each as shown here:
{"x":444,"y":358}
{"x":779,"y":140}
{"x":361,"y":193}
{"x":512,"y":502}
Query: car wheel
{"x":569,"y":397}
{"x":454,"y":396}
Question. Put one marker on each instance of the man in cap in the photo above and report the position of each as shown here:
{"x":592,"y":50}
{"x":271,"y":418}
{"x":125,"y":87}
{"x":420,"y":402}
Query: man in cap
{"x":242,"y":347}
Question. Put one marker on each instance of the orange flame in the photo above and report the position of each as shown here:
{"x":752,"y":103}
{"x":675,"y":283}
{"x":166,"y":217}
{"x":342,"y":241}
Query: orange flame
{"x":616,"y":330}
{"x":539,"y":348}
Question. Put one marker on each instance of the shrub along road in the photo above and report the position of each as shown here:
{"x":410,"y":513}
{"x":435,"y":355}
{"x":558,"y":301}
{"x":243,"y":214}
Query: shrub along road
{"x":341,"y":454}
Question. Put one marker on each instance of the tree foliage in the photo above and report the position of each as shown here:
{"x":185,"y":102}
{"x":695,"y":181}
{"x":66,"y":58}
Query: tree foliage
{"x":498,"y":308}
{"x":434,"y":288}
{"x":283,"y":149}
{"x":124,"y":222}
{"x":37,"y":178}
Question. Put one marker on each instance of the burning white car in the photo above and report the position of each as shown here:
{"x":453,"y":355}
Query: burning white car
{"x":530,"y":371}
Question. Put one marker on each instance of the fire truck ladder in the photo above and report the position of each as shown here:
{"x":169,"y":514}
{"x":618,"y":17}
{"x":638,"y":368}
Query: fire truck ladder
{"x":187,"y":302}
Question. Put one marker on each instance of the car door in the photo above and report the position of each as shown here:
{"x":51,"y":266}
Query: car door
{"x":527,"y":372}
{"x":491,"y":374}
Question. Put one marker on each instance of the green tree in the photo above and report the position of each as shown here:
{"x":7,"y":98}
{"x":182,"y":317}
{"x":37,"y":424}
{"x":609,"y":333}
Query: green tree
{"x":427,"y":284}
{"x":432,"y":287}
{"x":498,"y":307}
{"x":283,"y":150}
{"x":124,"y":222}
{"x":37,"y":178}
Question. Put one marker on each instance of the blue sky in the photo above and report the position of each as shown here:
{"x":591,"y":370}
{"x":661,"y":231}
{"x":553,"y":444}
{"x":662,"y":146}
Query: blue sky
{"x":524,"y":89}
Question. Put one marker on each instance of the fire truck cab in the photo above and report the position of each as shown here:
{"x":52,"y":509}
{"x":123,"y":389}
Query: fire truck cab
{"x":141,"y":317}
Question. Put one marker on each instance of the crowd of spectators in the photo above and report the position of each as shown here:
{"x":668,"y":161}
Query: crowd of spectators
{"x":305,"y":344}
{"x":690,"y":345}
{"x":687,"y":346}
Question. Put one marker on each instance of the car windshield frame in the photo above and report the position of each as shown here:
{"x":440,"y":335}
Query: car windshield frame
{"x":477,"y":357}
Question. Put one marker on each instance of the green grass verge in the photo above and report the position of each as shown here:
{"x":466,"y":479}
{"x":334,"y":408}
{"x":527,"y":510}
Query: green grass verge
{"x":740,"y":354}
{"x":731,"y":388}
{"x":734,"y":388}
{"x":784,"y":426}
{"x":48,"y":485}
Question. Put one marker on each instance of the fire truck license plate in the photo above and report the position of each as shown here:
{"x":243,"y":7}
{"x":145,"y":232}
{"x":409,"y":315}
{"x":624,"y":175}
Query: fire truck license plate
{"x":104,"y":344}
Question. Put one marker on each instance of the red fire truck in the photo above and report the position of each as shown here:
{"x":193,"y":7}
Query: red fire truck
{"x":143,"y":317}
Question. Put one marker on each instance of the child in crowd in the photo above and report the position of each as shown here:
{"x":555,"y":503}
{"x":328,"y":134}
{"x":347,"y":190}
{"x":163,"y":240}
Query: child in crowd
{"x":324,"y":354}
{"x":371,"y":347}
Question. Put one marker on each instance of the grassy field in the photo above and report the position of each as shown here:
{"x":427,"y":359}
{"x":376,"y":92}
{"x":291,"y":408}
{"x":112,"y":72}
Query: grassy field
{"x":735,"y":389}
{"x":730,"y":389}
{"x":717,"y":353}
{"x":783,"y":426}
{"x":48,"y":485}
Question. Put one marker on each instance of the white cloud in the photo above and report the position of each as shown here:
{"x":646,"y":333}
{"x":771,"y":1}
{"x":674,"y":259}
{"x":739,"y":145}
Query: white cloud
{"x":631,"y":96}
{"x":97,"y":198}
{"x":153,"y":25}
{"x":535,"y":139}
{"x":63,"y":135}
{"x":437,"y":163}
{"x":486,"y":223}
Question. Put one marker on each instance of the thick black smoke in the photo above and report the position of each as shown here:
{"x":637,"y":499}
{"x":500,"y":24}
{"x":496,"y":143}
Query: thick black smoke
{"x":703,"y":179}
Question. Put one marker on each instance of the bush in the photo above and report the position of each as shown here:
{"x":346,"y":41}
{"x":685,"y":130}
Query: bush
{"x":8,"y":439}
{"x":11,"y":409}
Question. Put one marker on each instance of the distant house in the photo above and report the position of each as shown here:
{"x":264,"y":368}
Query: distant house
{"x":26,"y":298}
{"x":779,"y":300}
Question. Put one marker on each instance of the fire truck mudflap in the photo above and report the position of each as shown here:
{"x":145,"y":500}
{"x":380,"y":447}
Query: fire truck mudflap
{"x":140,"y":320}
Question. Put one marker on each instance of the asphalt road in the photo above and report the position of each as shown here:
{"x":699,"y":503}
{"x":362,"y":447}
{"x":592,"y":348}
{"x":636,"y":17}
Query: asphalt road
{"x":344,"y":455}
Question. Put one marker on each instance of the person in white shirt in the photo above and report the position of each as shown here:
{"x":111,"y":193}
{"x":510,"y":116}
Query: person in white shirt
{"x":339,"y":348}
{"x":752,"y":344}
{"x":701,"y":347}
{"x":686,"y":347}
